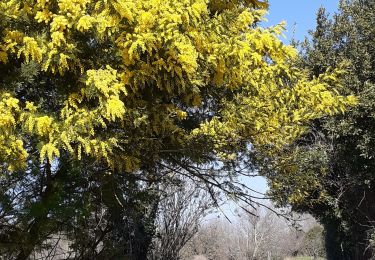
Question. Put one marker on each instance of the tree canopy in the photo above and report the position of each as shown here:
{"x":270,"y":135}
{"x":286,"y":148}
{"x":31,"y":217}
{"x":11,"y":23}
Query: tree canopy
{"x":117,"y":78}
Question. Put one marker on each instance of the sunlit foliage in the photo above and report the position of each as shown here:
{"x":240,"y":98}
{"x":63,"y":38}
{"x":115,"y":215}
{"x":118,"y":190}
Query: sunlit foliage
{"x":126,"y":76}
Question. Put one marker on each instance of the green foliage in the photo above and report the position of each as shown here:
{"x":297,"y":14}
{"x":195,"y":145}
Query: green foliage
{"x":330,"y":171}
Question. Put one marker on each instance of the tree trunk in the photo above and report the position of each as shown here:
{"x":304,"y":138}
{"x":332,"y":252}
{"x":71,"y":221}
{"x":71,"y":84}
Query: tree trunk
{"x":33,"y":236}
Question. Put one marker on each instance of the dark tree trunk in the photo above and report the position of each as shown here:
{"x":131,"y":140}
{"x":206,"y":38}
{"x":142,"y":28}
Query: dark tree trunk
{"x":132,"y":219}
{"x":354,"y":243}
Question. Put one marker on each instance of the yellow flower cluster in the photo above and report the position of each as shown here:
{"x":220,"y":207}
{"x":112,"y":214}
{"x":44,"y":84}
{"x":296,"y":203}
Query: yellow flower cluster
{"x":12,"y":153}
{"x":135,"y":69}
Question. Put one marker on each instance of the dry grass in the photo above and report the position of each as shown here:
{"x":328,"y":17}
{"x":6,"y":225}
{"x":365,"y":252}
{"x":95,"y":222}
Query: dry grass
{"x":303,"y":258}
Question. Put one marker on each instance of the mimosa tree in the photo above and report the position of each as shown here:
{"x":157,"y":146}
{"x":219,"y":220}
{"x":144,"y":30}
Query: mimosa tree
{"x":146,"y":87}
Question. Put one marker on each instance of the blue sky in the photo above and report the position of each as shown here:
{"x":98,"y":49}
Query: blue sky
{"x":299,"y":15}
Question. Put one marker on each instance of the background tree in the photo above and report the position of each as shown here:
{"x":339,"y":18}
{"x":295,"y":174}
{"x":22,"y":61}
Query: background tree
{"x":313,"y":242}
{"x":181,"y":210}
{"x":330,"y":171}
{"x":263,"y":235}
